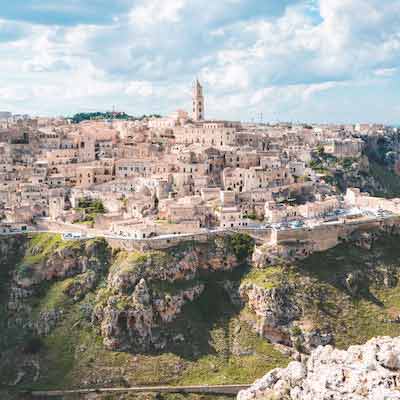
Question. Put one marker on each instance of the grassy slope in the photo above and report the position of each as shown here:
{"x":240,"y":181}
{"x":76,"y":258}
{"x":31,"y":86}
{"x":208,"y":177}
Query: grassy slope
{"x":355,"y":320}
{"x":319,"y":278}
{"x":73,"y":353}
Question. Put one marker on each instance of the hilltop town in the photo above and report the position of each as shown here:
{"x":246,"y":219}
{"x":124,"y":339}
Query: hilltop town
{"x":206,"y":252}
{"x":165,"y":177}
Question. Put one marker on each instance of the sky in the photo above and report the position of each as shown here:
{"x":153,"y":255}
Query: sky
{"x":270,"y":60}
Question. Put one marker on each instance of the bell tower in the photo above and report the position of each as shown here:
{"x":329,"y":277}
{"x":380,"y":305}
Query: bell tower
{"x":198,"y":102}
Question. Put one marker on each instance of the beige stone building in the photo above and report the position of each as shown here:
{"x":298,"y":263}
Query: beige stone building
{"x":198,"y":102}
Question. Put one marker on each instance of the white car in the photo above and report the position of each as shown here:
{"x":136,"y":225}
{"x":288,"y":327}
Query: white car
{"x":72,"y":235}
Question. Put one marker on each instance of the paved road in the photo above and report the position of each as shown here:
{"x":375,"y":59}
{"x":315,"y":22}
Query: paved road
{"x":46,"y":226}
{"x":199,"y":389}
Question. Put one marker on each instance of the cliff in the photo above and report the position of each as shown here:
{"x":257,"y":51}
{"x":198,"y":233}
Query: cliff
{"x":78,"y":314}
{"x":342,"y":296}
{"x":370,"y":371}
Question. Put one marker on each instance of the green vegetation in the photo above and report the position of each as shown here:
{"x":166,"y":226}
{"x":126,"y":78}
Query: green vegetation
{"x":77,"y":118}
{"x":347,"y":163}
{"x":218,"y":334}
{"x":224,"y":348}
{"x":332,"y":168}
{"x":242,"y":245}
{"x":91,"y":209}
{"x":91,"y":206}
{"x":44,"y":245}
{"x":41,"y":246}
{"x":253,"y":216}
{"x":212,"y":341}
{"x":8,"y":261}
{"x":320,"y":150}
{"x":272,"y":277}
{"x":358,"y":317}
{"x":257,"y":358}
{"x":387,"y":179}
{"x":327,"y":304}
{"x":318,"y":166}
{"x":55,"y":296}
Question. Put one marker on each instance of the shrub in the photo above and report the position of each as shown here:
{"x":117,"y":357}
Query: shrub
{"x":296,"y":331}
{"x":242,"y":245}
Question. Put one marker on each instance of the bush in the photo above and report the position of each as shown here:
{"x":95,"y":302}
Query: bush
{"x":298,"y":345}
{"x":252,"y":216}
{"x":91,"y":208}
{"x":242,"y":245}
{"x":320,"y":150}
{"x":296,"y":331}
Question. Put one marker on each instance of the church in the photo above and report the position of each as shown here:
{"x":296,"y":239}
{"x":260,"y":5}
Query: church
{"x":205,"y":132}
{"x":198,"y":102}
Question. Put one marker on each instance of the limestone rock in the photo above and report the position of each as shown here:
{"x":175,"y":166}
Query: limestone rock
{"x":146,"y":291}
{"x":370,"y":371}
{"x":131,"y":321}
{"x":275,"y":309}
{"x":47,"y":321}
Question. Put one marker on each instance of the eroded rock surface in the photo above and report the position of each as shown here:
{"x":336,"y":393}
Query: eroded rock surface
{"x":146,"y":291}
{"x":370,"y":371}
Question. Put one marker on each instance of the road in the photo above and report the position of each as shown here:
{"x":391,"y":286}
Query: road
{"x":44,"y":225}
{"x":47,"y":226}
{"x":231,"y":390}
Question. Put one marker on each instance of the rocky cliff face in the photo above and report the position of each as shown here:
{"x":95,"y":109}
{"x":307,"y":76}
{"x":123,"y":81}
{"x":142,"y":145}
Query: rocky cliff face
{"x":196,"y":313}
{"x":146,"y":291}
{"x":275,"y":309}
{"x":314,"y":301}
{"x":370,"y":371}
{"x":130,"y":322}
{"x":42,"y":261}
{"x":54,"y":260}
{"x":136,"y":294}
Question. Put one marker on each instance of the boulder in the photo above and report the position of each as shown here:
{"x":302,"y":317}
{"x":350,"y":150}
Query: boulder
{"x":370,"y":371}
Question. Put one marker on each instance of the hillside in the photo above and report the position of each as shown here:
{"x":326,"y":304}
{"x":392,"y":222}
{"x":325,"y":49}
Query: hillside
{"x":55,"y":324}
{"x":78,"y":314}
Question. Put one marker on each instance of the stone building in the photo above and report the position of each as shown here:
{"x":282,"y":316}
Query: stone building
{"x":218,"y":134}
{"x":344,"y":148}
{"x":198,"y":102}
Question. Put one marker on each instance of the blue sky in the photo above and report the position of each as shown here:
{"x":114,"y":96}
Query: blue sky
{"x":305,"y":60}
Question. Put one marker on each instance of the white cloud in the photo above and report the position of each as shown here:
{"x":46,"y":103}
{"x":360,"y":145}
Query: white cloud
{"x":139,"y":88}
{"x":157,"y":11}
{"x":253,"y":61}
{"x":290,"y":93}
{"x":227,"y":77}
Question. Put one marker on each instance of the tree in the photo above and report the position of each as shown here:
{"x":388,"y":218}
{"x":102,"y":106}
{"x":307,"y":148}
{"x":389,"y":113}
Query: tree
{"x":320,"y":150}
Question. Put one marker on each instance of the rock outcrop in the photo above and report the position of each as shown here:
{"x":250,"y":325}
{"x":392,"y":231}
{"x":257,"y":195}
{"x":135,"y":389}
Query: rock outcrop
{"x":275,"y":309}
{"x":133,"y":322}
{"x":61,"y":262}
{"x":42,"y":261}
{"x":146,"y":291}
{"x":137,"y":294}
{"x":370,"y":371}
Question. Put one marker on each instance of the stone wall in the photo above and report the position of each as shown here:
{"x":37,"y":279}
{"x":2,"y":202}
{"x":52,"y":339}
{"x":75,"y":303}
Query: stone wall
{"x":160,"y":243}
{"x":327,"y":236}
